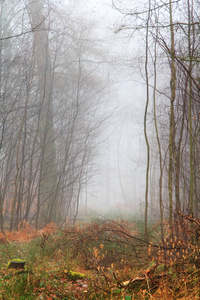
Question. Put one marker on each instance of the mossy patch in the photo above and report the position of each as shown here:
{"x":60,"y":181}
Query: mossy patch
{"x":16,"y":264}
{"x":75,"y":275}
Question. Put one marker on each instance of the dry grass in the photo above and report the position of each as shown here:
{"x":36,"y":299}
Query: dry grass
{"x":26,"y":233}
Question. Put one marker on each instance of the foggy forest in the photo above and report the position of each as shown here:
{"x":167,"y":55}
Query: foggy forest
{"x":99,"y":156}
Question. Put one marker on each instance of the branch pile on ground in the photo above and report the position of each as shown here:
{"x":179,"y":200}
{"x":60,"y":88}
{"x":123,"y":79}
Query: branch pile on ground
{"x":104,"y":243}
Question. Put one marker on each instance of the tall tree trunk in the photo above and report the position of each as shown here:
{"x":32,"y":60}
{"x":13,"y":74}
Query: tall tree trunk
{"x":145,"y":124}
{"x":171,"y":124}
{"x":47,"y":182}
{"x":158,"y":142}
{"x":190,"y":113}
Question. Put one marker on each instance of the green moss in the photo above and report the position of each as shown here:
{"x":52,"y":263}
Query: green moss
{"x":75,"y":275}
{"x":16,"y":264}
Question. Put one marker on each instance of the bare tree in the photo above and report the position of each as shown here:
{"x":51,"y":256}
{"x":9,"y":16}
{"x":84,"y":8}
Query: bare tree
{"x":176,"y":51}
{"x":51,"y":93}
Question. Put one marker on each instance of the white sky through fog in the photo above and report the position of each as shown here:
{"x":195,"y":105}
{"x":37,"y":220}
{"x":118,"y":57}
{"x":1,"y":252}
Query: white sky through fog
{"x":120,"y":182}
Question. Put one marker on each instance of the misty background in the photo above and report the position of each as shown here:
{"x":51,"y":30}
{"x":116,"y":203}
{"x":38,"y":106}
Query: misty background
{"x":72,"y":137}
{"x":119,"y":185}
{"x":99,"y":110}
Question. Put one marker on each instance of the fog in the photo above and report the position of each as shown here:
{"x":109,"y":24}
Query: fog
{"x":118,"y":187}
{"x":81,"y":145}
{"x":99,"y":110}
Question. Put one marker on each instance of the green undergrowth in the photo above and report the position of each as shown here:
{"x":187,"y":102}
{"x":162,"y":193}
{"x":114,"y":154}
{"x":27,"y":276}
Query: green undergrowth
{"x":98,"y":260}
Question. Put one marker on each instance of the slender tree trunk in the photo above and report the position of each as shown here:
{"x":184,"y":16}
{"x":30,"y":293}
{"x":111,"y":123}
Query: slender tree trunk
{"x":18,"y":165}
{"x":158,"y":142}
{"x":177,"y":158}
{"x":145,"y":124}
{"x":171,"y":124}
{"x":190,"y":113}
{"x":1,"y":140}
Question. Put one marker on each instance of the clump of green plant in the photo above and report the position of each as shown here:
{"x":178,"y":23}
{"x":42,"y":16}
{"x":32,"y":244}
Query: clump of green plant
{"x":7,"y":252}
{"x":17,"y":285}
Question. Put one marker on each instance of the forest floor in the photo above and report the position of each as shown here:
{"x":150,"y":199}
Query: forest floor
{"x":97,"y":260}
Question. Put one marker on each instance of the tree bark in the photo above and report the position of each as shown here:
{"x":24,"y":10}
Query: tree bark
{"x":171,"y":124}
{"x":47,"y":182}
{"x":145,"y":124}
